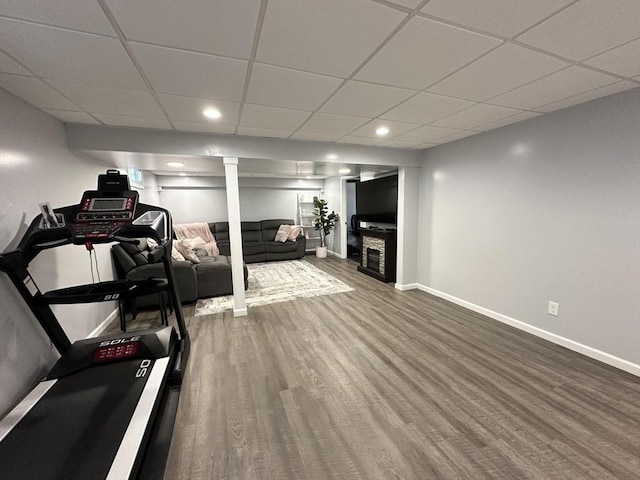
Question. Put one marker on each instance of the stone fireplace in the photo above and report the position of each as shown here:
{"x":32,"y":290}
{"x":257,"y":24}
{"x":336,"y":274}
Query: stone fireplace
{"x":378,"y":257}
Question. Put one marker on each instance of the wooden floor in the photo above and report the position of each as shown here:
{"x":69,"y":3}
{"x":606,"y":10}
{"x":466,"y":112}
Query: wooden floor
{"x":382,"y":384}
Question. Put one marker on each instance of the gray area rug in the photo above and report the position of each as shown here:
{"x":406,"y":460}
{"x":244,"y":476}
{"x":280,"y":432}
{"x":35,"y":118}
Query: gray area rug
{"x":273,"y":282}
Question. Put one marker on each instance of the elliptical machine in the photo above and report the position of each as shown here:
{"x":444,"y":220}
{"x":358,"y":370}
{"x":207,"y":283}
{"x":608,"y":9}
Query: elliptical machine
{"x":106,"y":409}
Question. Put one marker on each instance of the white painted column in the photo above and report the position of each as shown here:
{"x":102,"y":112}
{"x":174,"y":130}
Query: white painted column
{"x":235,"y":235}
{"x":407,"y":255}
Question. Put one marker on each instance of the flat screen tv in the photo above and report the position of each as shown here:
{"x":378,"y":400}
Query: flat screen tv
{"x":377,"y":200}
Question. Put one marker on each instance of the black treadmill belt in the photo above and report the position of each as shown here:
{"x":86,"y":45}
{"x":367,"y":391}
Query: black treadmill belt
{"x":75,"y":430}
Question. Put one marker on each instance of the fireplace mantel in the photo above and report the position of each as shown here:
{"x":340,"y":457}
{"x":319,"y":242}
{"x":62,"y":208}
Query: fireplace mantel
{"x":381,"y":243}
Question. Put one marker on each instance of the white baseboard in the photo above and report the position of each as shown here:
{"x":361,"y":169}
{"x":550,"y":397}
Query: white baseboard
{"x":408,"y":286}
{"x":334,"y":254}
{"x":591,"y":352}
{"x":104,"y":324}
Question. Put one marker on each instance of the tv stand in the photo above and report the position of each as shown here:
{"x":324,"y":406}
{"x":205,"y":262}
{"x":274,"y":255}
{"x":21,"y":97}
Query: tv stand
{"x":378,"y":254}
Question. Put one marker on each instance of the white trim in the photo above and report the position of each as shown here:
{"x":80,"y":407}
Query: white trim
{"x":586,"y":350}
{"x":104,"y":324}
{"x":408,"y":286}
{"x":334,"y":254}
{"x":128,"y":451}
{"x":9,"y":422}
{"x":240,"y":312}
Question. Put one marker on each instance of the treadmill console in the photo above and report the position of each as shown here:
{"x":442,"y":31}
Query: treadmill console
{"x":101,"y":214}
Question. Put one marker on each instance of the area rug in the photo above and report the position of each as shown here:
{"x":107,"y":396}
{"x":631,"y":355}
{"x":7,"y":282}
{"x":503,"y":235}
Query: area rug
{"x":273,"y":282}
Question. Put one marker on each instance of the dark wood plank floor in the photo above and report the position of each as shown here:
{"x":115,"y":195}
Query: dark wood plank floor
{"x":382,"y":384}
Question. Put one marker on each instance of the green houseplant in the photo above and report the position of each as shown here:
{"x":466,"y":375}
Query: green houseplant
{"x":325,"y":222}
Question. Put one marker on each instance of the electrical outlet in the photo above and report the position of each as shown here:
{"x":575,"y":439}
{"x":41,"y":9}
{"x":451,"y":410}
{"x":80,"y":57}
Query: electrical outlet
{"x":553,"y":309}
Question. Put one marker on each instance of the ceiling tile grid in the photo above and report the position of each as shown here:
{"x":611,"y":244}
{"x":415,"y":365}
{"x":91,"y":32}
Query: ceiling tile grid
{"x":329,"y":71}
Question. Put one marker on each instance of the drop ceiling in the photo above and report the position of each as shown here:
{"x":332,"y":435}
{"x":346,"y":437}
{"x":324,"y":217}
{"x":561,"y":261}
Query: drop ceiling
{"x":323,"y":70}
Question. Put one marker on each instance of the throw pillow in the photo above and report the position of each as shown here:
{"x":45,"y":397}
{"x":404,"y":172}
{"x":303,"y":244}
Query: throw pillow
{"x":283,"y":233}
{"x":294,"y":232}
{"x":184,"y":248}
{"x":212,"y":248}
{"x":176,"y":255}
{"x":194,"y":242}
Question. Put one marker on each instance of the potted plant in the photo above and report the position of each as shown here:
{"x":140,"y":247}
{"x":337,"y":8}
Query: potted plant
{"x":324,"y":222}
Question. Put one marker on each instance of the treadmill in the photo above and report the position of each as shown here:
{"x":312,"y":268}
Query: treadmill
{"x":106,"y":409}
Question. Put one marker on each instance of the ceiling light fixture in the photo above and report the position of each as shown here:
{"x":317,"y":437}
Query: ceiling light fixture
{"x":382,"y":131}
{"x":175,"y":164}
{"x":212,"y":113}
{"x":332,"y":156}
{"x":182,"y":174}
{"x":344,"y":171}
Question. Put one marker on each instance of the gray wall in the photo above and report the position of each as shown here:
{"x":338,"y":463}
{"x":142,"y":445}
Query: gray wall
{"x":203,"y":199}
{"x":547,"y":209}
{"x":36,"y":167}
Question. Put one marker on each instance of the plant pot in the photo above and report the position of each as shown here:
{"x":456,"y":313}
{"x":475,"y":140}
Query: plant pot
{"x":321,"y":252}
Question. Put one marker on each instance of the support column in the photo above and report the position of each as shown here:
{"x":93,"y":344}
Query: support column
{"x":408,"y":208}
{"x":235,"y":235}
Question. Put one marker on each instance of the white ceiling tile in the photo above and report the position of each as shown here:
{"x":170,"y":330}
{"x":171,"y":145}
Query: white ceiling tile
{"x":272,"y":118}
{"x":399,"y":144}
{"x":282,"y":87}
{"x":223,"y":28}
{"x":316,"y":137}
{"x":74,"y":14}
{"x":425,"y":108}
{"x":129,"y":121}
{"x":110,"y":100}
{"x":337,"y":125}
{"x":365,"y":99}
{"x":324,"y":37}
{"x":624,"y":60}
{"x":189,"y":109}
{"x":579,"y":32}
{"x":411,"y":4}
{"x":7,"y":65}
{"x":519,"y":117}
{"x":424,"y":146}
{"x":358,"y":140}
{"x":71,"y":117}
{"x":195,"y":74}
{"x":457,"y":136}
{"x":501,"y":17}
{"x":558,"y":86}
{"x":395,"y":129}
{"x":422,"y":53}
{"x":476,"y":115}
{"x":264,"y":132}
{"x":204,"y":127}
{"x":427,"y":134}
{"x":505,"y":68}
{"x":59,"y":54}
{"x":588,"y":96}
{"x":35,"y":92}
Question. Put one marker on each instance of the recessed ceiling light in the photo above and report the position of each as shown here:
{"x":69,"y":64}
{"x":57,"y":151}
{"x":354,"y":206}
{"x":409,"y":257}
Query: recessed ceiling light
{"x":175,"y":164}
{"x":332,"y":156}
{"x":182,"y":174}
{"x":382,"y":131}
{"x":212,"y":113}
{"x":344,"y":170}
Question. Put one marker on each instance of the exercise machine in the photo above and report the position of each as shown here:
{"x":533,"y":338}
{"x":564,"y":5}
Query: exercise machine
{"x":106,"y":409}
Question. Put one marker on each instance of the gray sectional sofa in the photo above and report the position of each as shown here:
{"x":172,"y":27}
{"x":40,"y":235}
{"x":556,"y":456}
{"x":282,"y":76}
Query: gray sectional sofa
{"x":212,"y":276}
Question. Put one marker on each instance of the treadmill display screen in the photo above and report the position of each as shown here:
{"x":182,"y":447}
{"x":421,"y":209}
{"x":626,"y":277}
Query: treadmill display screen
{"x":114,"y":352}
{"x":108,"y":204}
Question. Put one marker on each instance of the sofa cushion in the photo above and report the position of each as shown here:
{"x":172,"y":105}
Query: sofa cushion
{"x":269,"y":228}
{"x":280,"y":247}
{"x":139,"y":253}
